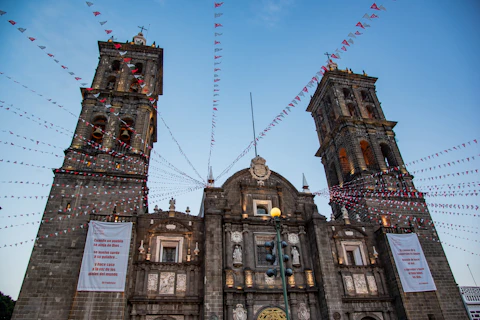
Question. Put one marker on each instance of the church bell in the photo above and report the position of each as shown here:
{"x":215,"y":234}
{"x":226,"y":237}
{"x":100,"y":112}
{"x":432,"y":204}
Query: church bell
{"x":97,"y":134}
{"x":125,"y":135}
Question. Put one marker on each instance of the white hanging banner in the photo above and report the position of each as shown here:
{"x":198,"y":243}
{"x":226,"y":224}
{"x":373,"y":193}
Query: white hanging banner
{"x":411,"y":263}
{"x":105,"y":258}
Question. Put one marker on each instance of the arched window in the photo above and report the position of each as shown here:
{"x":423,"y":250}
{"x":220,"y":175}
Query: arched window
{"x":99,"y":124}
{"x":388,"y":156}
{"x":139,"y":67}
{"x":134,"y":86}
{"x":126,"y":130}
{"x":368,"y":155}
{"x":344,"y":162}
{"x":366,"y":96}
{"x":352,"y":110}
{"x":332,"y":175}
{"x":347,"y":94}
{"x":111,"y":83}
{"x":370,"y":112}
{"x":116,"y":65}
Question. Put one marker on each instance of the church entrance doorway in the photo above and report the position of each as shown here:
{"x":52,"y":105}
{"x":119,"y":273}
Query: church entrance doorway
{"x":272,"y":314}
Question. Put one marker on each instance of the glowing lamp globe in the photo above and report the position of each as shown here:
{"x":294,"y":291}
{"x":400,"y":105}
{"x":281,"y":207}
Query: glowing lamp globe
{"x":275,"y":212}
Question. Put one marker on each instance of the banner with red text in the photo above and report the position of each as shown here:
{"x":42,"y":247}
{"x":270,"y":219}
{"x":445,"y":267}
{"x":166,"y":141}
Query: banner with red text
{"x":411,"y":263}
{"x":105,"y":258}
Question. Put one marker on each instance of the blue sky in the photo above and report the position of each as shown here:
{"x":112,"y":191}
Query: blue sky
{"x":423,"y":53}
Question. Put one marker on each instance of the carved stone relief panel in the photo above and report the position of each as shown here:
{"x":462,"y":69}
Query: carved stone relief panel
{"x":360,"y":283}
{"x":152,"y":283}
{"x":349,"y":285}
{"x":167,"y":282}
{"x":181,"y":283}
{"x":303,"y":312}
{"x":372,"y":284}
{"x":269,"y":280}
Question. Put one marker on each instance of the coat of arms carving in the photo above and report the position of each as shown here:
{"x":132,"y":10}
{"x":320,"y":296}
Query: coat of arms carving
{"x":259,"y":170}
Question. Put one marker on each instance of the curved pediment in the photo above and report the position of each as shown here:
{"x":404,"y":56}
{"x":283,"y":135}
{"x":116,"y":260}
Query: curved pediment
{"x":170,"y":225}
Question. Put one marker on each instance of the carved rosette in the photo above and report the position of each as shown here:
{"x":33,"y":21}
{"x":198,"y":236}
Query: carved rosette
{"x":293,"y":238}
{"x":237,"y":237}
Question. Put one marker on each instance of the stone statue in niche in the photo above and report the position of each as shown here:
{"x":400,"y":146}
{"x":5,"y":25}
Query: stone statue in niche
{"x":295,"y":257}
{"x":239,"y":313}
{"x":237,"y":256}
{"x":303,"y":313}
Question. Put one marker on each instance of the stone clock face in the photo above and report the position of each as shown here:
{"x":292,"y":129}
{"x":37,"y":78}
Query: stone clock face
{"x":236,"y":236}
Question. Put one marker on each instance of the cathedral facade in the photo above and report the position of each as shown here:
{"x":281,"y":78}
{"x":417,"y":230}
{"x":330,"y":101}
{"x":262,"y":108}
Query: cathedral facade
{"x":214,"y":266}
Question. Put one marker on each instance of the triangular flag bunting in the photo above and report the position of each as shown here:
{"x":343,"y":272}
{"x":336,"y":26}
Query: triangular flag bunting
{"x":42,"y":47}
{"x":89,"y":3}
{"x":22,"y":30}
{"x":351,"y":35}
{"x":108,"y":31}
{"x":360,"y":25}
{"x":12,"y":22}
{"x":2,"y":12}
{"x":102,"y":22}
{"x":96,"y":13}
{"x":374,"y":7}
{"x":366,"y":16}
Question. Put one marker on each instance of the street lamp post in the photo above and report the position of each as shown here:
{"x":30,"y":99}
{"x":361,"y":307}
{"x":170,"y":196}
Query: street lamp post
{"x":276,"y":213}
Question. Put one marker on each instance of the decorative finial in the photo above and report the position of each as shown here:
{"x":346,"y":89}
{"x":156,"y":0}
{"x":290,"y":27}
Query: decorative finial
{"x":210,"y":179}
{"x":332,"y":65}
{"x":188,"y":210}
{"x":305,"y":184}
{"x":364,"y":73}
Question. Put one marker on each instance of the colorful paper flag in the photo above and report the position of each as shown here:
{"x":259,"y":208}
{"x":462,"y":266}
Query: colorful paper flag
{"x":96,"y":13}
{"x":374,"y":7}
{"x":360,"y":25}
{"x":218,"y":4}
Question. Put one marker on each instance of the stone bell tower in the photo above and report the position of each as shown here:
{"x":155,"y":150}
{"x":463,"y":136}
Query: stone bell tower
{"x":103,"y":177}
{"x":367,"y":180}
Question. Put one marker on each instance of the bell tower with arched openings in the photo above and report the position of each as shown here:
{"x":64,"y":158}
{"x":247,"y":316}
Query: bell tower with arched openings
{"x":356,"y":140}
{"x":370,"y":186}
{"x":103,"y":177}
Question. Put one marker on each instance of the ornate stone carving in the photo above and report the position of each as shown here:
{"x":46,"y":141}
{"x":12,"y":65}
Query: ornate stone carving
{"x":167,"y":281}
{"x":239,"y":313}
{"x":360,"y":283}
{"x":349,"y":285}
{"x":309,"y":276}
{"x":259,"y":170}
{"x":152,"y":283}
{"x":303,"y":313}
{"x":293,"y":238}
{"x":248,"y":278}
{"x":237,"y":256}
{"x":291,"y":281}
{"x":269,"y":281}
{"x":181,"y":282}
{"x":237,"y":237}
{"x":372,"y":284}
{"x":295,"y":257}
{"x":229,"y":279}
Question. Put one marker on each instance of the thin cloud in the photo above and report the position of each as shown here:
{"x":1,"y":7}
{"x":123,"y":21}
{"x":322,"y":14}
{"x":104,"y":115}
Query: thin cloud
{"x":272,"y":11}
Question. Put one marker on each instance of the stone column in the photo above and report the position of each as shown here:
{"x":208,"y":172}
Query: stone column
{"x":228,"y":245}
{"x":312,"y":302}
{"x":102,"y":66}
{"x":249,"y":303}
{"x":229,"y":310}
{"x":303,"y":248}
{"x":83,"y":131}
{"x":112,"y":128}
{"x":248,"y":249}
{"x":293,"y":306}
